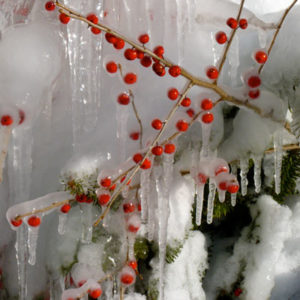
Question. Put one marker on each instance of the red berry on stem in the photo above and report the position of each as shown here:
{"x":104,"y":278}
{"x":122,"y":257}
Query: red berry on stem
{"x":221,"y":169}
{"x":34,"y":221}
{"x":175,"y":71}
{"x":133,"y":264}
{"x":254,"y":81}
{"x":157,"y":124}
{"x":7,"y":120}
{"x":119,"y":44}
{"x":233,"y":188}
{"x":186,"y":102}
{"x":206,"y":104}
{"x":110,"y":38}
{"x":157,"y":150}
{"x":173,"y":94}
{"x":135,"y":136}
{"x":261,"y":57}
{"x":232,"y":23}
{"x":202,"y":178}
{"x":65,"y":208}
{"x":243,"y":23}
{"x":221,"y":37}
{"x":146,"y":164}
{"x":124,"y":99}
{"x":95,"y":30}
{"x":92,"y":18}
{"x":137,"y":157}
{"x":133,"y":228}
{"x":111,"y":67}
{"x":223,"y":186}
{"x":237,"y":292}
{"x":212,"y":73}
{"x":139,"y":54}
{"x":105,"y":182}
{"x":146,"y":61}
{"x":182,"y":125}
{"x":127,"y":278}
{"x":103,"y":199}
{"x":50,"y":5}
{"x":159,"y":69}
{"x":81,"y":198}
{"x":170,"y":148}
{"x":16,"y":223}
{"x":144,"y":38}
{"x":159,"y":51}
{"x":128,"y":208}
{"x":95,"y":293}
{"x":254,"y":94}
{"x":207,"y":118}
{"x":130,"y":54}
{"x":190,"y":112}
{"x":64,"y":18}
{"x":130,"y":78}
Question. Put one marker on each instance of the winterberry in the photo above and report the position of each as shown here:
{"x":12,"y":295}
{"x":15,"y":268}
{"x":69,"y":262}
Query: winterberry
{"x":169,"y":148}
{"x":157,"y":124}
{"x":124,"y":99}
{"x":95,"y":30}
{"x":110,"y":38}
{"x":134,"y":135}
{"x":237,"y":292}
{"x":133,"y":264}
{"x":159,"y":69}
{"x":175,"y":71}
{"x":254,"y":81}
{"x":261,"y":57}
{"x":182,"y":125}
{"x":128,"y":208}
{"x":202,"y":178}
{"x":137,"y":157}
{"x":81,"y":198}
{"x":146,"y":61}
{"x":207,"y":118}
{"x":212,"y":73}
{"x":127,"y":279}
{"x":146,"y":164}
{"x":130,"y":54}
{"x":221,"y":37}
{"x":223,"y":186}
{"x":254,"y":94}
{"x":103,"y":199}
{"x":92,"y":18}
{"x":221,"y":169}
{"x":105,"y":182}
{"x":190,"y":112}
{"x":140,"y":54}
{"x":133,"y":228}
{"x":233,"y":188}
{"x":94,"y":294}
{"x":111,"y":67}
{"x":157,"y":150}
{"x":112,"y":188}
{"x":232,"y":23}
{"x":65,"y":208}
{"x":34,"y":221}
{"x":16,"y":222}
{"x":186,"y":102}
{"x":173,"y":94}
{"x":206,"y":104}
{"x":7,"y":120}
{"x":119,"y":44}
{"x":144,"y":38}
{"x":243,"y":23}
{"x":130,"y":78}
{"x":50,"y":5}
{"x":159,"y":51}
{"x":64,"y":18}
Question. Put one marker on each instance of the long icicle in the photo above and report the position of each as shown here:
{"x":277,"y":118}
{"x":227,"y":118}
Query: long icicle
{"x":199,"y":203}
{"x":257,"y":172}
{"x":233,"y":195}
{"x":210,"y":201}
{"x":244,"y":168}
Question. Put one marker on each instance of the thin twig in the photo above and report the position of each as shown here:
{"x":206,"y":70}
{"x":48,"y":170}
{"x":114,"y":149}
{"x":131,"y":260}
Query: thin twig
{"x":122,"y":292}
{"x":277,"y":31}
{"x":137,"y":117}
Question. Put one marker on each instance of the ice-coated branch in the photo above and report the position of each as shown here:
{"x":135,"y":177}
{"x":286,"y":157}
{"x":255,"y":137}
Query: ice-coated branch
{"x":277,"y":31}
{"x":5,"y":143}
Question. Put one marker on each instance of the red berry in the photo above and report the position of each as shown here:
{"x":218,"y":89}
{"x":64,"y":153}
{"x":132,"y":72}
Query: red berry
{"x":133,"y":264}
{"x":7,"y":120}
{"x":111,"y":188}
{"x":238,"y":291}
{"x":173,"y":94}
{"x":16,"y":223}
{"x":190,"y":112}
{"x":105,"y":182}
{"x":232,"y":23}
{"x":81,"y":198}
{"x":110,"y":38}
{"x":146,"y":62}
{"x":130,"y":78}
{"x":34,"y":221}
{"x":182,"y":125}
{"x":128,"y":208}
{"x":111,"y":67}
{"x":95,"y":30}
{"x":64,"y":18}
{"x":159,"y":69}
{"x":65,"y":208}
{"x":21,"y":116}
{"x":95,"y":293}
{"x":206,"y":104}
{"x":137,"y":157}
{"x":186,"y":102}
{"x":124,"y":99}
{"x":139,"y":207}
{"x":140,"y":54}
{"x":135,"y":136}
{"x":146,"y":164}
{"x":207,"y":118}
{"x":212,"y":73}
{"x":254,"y":81}
{"x":144,"y":38}
{"x":133,"y":228}
{"x":119,"y":44}
{"x":159,"y":51}
{"x":170,"y":148}
{"x":50,"y":5}
{"x":261,"y":57}
{"x":221,"y":37}
{"x":127,"y":278}
{"x":253,"y":94}
{"x":223,"y":186}
{"x":130,"y":54}
{"x":221,"y":169}
{"x":81,"y":283}
{"x":157,"y":124}
{"x":202,"y":178}
{"x":243,"y":23}
{"x":92,"y":18}
{"x":233,"y":188}
{"x":157,"y":150}
{"x":103,"y":199}
{"x":175,"y":71}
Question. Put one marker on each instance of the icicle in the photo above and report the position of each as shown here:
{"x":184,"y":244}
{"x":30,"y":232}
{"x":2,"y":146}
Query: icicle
{"x":214,"y":48}
{"x":181,"y":34}
{"x":62,"y":220}
{"x":144,"y":193}
{"x":151,"y":213}
{"x":86,"y":210}
{"x":233,"y":196}
{"x":234,"y":60}
{"x":278,"y":154}
{"x":168,"y":167}
{"x":131,"y":240}
{"x":199,"y":203}
{"x":244,"y":166}
{"x":33,"y":233}
{"x":262,"y":37}
{"x":122,"y":115}
{"x":210,"y":201}
{"x":257,"y":172}
{"x":21,"y":254}
{"x":205,"y":139}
